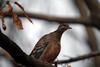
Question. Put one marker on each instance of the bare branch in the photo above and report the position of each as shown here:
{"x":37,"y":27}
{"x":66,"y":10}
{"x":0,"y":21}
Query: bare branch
{"x":94,"y":8}
{"x":93,"y":54}
{"x":86,"y":22}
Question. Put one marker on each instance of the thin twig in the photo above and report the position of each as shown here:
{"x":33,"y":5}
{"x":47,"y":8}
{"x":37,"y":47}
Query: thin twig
{"x":93,"y":54}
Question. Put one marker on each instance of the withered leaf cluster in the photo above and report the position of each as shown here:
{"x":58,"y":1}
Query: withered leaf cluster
{"x":16,"y":19}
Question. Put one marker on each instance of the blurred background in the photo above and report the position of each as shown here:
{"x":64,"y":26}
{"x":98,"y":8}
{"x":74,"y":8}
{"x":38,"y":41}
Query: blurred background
{"x":74,"y":42}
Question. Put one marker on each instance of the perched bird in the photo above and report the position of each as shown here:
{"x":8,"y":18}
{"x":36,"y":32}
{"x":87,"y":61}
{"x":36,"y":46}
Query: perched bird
{"x":48,"y":47}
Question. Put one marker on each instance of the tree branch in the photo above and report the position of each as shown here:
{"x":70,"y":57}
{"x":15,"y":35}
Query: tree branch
{"x":93,"y":54}
{"x":94,"y":8}
{"x":86,"y":22}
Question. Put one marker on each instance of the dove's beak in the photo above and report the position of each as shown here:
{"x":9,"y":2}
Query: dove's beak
{"x":69,"y":28}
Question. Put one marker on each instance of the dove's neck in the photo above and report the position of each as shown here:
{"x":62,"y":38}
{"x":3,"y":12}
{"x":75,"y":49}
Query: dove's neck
{"x":58,"y":34}
{"x":60,"y":31}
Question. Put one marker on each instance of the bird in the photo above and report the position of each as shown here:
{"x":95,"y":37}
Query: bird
{"x":48,"y":47}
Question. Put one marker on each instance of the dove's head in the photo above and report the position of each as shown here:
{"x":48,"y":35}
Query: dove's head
{"x":64,"y":27}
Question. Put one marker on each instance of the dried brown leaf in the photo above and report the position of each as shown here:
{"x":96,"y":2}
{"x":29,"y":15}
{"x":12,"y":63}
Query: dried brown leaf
{"x":3,"y":25}
{"x":17,"y":21}
{"x":23,"y":11}
{"x":2,"y":19}
{"x":10,"y":8}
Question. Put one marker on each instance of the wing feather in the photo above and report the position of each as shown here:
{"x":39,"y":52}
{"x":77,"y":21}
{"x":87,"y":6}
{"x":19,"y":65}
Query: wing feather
{"x":39,"y":49}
